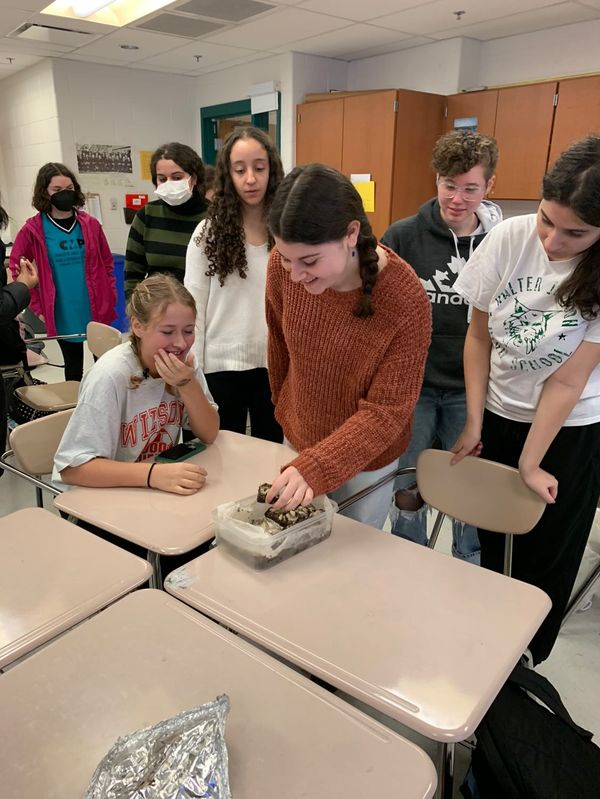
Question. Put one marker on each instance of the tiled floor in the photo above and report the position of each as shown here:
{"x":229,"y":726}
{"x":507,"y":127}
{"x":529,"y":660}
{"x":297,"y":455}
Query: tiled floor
{"x":573,"y":667}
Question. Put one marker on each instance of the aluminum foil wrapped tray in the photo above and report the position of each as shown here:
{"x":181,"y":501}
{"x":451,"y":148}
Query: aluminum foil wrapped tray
{"x":184,"y":757}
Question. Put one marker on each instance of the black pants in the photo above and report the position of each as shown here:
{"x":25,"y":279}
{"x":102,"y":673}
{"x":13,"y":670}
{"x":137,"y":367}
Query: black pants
{"x":72,"y":352}
{"x":241,"y":393}
{"x":550,"y":555}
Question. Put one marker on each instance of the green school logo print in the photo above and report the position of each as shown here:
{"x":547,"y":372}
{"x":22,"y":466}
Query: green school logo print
{"x":526,"y":326}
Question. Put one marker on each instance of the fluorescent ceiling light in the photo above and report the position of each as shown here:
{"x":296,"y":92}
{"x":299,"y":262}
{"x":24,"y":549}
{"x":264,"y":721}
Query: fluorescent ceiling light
{"x":85,"y":8}
{"x":107,"y":12}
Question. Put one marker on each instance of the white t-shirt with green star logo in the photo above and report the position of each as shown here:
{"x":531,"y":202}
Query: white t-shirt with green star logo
{"x":510,"y":277}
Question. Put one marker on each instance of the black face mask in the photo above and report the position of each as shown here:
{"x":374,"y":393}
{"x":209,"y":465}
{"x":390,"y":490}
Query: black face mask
{"x":64,"y":200}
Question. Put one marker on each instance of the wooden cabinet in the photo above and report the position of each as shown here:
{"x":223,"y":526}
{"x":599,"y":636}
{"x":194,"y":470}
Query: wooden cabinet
{"x":520,"y":118}
{"x":319,"y":132}
{"x":481,"y":105}
{"x":577,"y":113}
{"x":388,"y":134}
{"x":523,"y":129}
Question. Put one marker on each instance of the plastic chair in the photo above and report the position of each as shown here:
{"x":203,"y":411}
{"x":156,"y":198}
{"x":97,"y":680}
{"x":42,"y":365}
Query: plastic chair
{"x":33,"y":446}
{"x":476,"y":491}
{"x":479,"y":492}
{"x":54,"y":397}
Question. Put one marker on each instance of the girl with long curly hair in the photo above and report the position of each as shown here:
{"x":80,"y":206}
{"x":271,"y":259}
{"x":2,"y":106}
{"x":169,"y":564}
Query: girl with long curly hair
{"x":225,"y":272}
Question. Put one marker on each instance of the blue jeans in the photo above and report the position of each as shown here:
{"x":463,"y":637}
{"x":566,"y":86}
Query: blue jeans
{"x":438,"y":421}
{"x":372,"y":509}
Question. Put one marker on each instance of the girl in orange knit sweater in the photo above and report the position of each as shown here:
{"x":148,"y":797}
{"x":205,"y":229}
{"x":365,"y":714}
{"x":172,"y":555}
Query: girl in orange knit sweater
{"x":349,"y":330}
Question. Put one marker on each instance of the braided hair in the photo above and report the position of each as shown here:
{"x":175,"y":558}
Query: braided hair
{"x":315,"y":204}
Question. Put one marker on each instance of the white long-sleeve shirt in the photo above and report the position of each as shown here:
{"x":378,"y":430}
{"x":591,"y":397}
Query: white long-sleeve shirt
{"x":231,"y":325}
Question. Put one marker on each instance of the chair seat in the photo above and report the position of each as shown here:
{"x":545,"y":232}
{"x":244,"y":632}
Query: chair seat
{"x":51,"y":397}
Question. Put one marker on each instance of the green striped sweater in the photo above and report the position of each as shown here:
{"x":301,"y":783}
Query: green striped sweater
{"x":158,"y":239}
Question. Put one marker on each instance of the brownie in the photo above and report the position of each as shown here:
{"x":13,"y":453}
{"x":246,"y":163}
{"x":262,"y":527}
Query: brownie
{"x":263,"y":490}
{"x":286,"y":518}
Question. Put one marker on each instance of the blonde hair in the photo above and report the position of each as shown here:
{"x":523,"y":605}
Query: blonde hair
{"x":149,"y":300}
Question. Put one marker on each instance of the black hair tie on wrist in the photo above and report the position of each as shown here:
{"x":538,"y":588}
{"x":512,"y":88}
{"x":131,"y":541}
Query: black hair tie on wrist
{"x":149,"y":473}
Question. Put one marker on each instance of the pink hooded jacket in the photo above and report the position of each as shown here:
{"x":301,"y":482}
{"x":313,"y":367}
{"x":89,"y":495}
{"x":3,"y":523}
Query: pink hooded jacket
{"x":31,"y":244}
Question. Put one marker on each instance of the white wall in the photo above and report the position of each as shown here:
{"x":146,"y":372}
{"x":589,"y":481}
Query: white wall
{"x":100,"y":104}
{"x":296,"y":74}
{"x":432,"y":68}
{"x":557,"y":52}
{"x":29,"y":137}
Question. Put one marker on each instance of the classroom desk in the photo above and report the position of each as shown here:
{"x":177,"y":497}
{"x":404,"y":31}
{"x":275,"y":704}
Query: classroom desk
{"x":55,"y":574}
{"x":149,"y":657}
{"x":168,"y":524}
{"x":424,"y":638}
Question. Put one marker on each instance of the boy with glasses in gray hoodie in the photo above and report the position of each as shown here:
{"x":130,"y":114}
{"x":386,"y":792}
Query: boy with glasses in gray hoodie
{"x":437,"y":242}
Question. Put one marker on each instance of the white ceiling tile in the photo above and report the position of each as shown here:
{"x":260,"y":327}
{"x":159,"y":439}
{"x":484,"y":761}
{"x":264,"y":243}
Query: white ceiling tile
{"x":19,"y":61}
{"x":358,"y":9}
{"x":554,"y":16}
{"x":338,"y":43}
{"x":439,"y":15}
{"x":150,"y":44}
{"x":11,"y":18}
{"x":32,"y":6}
{"x":184,"y":57}
{"x":277,"y":28}
{"x":256,"y":56}
{"x":96,"y":59}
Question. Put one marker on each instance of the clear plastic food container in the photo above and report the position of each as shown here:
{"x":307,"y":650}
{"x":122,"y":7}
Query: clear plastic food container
{"x":237,"y":528}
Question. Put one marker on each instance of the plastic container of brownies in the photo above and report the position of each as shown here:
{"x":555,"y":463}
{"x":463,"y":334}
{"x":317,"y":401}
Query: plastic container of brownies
{"x":241,"y":528}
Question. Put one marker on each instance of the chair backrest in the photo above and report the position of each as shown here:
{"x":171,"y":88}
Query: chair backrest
{"x":101,"y":338}
{"x":35,"y":443}
{"x":479,"y":492}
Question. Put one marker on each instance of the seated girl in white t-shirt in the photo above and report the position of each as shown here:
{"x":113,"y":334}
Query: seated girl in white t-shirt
{"x":135,"y":400}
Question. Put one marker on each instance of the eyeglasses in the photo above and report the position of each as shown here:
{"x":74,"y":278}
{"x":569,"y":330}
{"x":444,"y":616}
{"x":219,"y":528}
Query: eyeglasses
{"x":448,"y":189}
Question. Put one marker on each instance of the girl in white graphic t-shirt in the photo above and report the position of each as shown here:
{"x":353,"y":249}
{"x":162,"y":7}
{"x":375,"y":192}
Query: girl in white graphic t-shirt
{"x":532,"y":356}
{"x":135,"y":400}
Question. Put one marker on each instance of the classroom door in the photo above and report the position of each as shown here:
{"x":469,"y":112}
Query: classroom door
{"x":218,"y":121}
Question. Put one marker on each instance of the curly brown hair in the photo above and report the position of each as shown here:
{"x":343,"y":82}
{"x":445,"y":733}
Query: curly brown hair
{"x":223,"y":235}
{"x":185,"y":157}
{"x":316,"y":204}
{"x":459,"y":151}
{"x":41,"y":198}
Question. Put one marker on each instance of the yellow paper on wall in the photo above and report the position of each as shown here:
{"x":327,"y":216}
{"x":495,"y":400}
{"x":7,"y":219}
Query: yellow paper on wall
{"x":367,"y":193}
{"x":145,"y":156}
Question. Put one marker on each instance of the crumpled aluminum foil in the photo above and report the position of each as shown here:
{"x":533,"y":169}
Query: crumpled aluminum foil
{"x":184,"y":757}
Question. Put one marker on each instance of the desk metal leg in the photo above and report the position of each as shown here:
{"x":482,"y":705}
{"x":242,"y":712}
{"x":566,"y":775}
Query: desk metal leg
{"x":445,"y":770}
{"x":156,"y":578}
{"x":579,"y":596}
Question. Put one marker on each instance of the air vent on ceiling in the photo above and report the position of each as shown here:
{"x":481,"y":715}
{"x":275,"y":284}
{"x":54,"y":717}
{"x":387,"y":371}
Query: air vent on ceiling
{"x":180,"y":26}
{"x":231,"y":10}
{"x":45,"y":34}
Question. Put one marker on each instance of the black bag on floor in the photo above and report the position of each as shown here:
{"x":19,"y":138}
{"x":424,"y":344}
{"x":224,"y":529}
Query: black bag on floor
{"x":528,"y":750}
{"x":17,"y":409}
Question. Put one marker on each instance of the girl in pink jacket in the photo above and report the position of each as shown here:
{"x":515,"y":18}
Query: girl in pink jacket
{"x":73,"y":259}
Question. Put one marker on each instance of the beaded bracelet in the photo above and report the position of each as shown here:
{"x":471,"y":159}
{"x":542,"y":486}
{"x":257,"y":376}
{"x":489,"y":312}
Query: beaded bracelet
{"x":149,"y":473}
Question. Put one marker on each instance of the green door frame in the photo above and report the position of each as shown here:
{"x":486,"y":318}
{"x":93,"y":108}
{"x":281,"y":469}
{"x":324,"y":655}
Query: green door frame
{"x":235,"y":108}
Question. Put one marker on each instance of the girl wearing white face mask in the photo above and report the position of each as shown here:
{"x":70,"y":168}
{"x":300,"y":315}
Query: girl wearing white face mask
{"x":161,"y":230}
